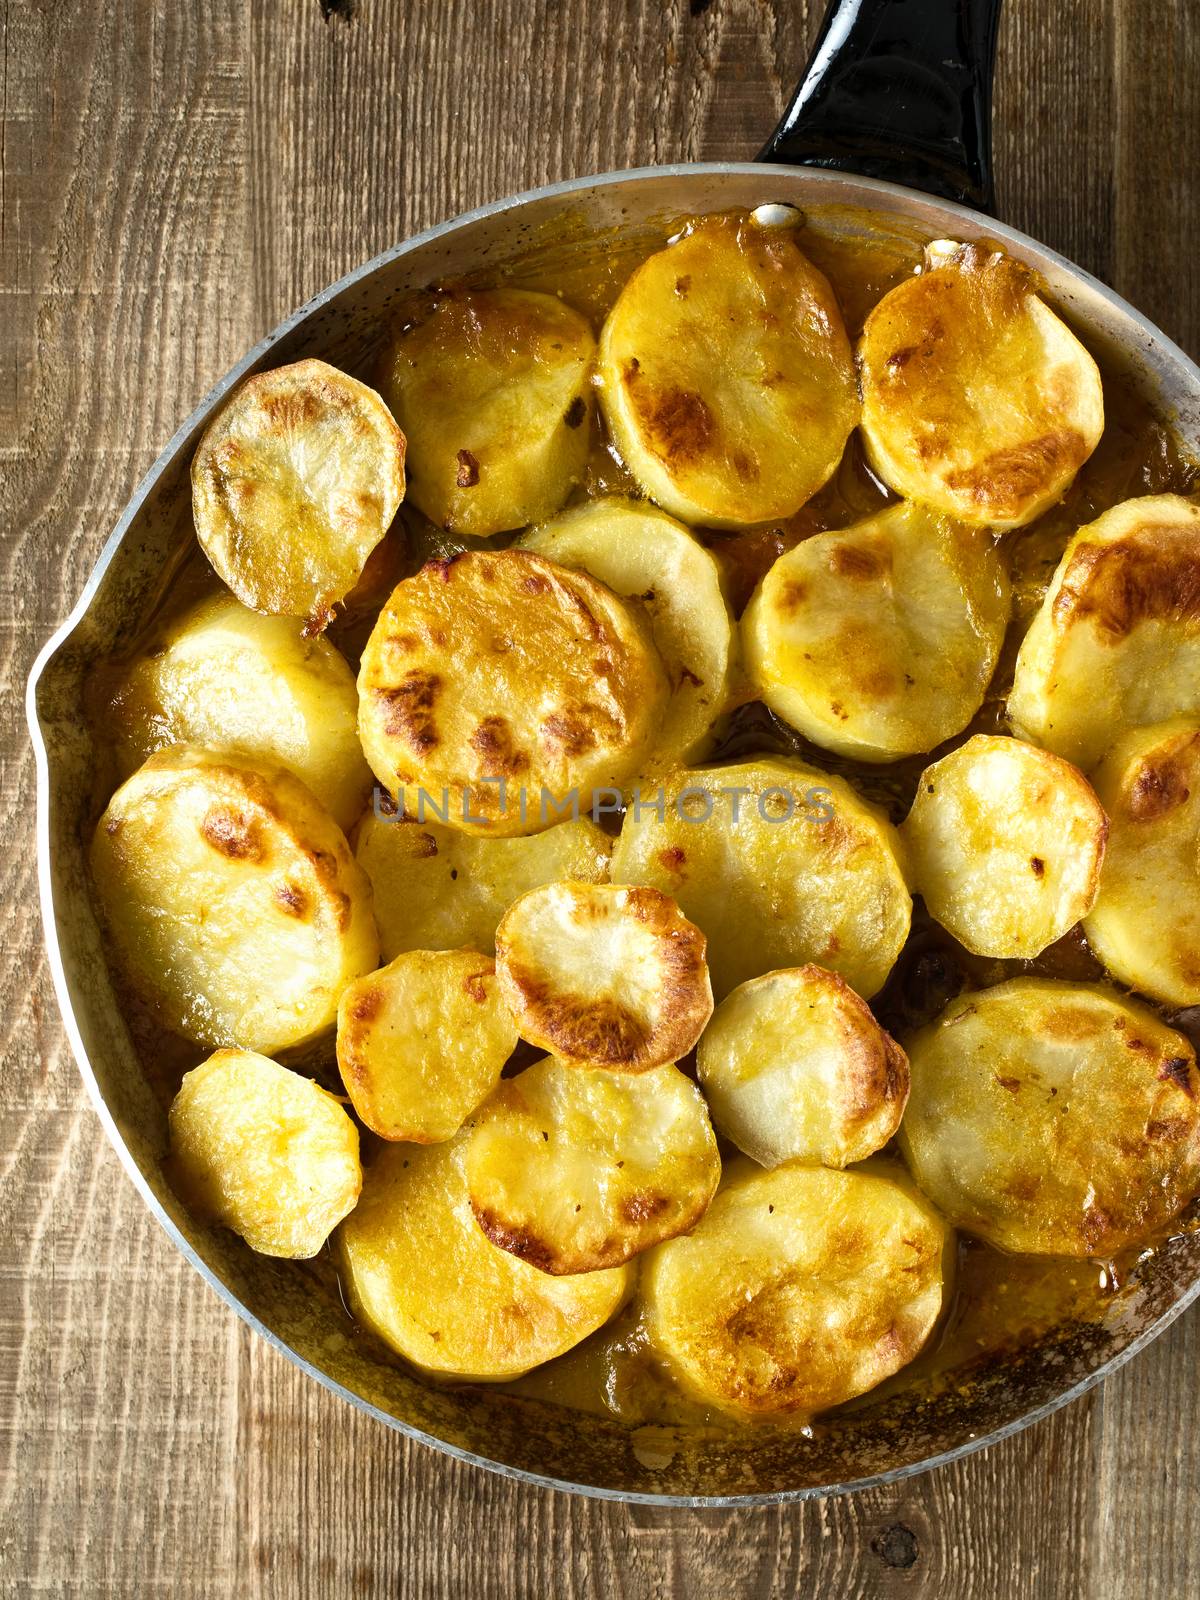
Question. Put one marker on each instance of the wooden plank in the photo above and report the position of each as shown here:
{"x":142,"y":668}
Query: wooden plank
{"x":174,"y":179}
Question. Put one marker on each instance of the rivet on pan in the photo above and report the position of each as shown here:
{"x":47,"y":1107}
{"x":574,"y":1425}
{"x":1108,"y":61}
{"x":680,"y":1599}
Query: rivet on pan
{"x":776,"y":214}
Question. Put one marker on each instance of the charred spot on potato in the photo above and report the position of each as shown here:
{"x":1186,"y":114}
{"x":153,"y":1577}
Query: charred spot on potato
{"x":575,"y":412}
{"x":467,"y":475}
{"x":678,"y":422}
{"x":234,"y":834}
{"x":293,"y":900}
{"x":409,"y":713}
{"x":1119,"y":584}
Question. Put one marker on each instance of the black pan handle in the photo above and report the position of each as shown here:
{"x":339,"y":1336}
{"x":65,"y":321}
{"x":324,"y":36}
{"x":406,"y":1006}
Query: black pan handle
{"x":899,"y":89}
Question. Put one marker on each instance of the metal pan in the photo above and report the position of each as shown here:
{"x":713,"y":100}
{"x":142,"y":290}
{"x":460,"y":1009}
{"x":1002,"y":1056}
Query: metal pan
{"x":887,"y":137}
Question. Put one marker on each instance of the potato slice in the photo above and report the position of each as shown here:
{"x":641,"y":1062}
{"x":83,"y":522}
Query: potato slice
{"x":795,"y":1068}
{"x":422,"y":1043}
{"x":224,"y":675}
{"x":1145,"y":924}
{"x":498,"y":690}
{"x":492,"y":387}
{"x":1053,"y":1118}
{"x":727,"y":379}
{"x":574,"y":1169}
{"x":879,"y":640}
{"x":231,"y":898}
{"x":648,"y":557}
{"x":438,"y":889}
{"x":779,"y":864}
{"x":422,"y":1276}
{"x":798,"y":1289}
{"x":265,"y":1152}
{"x":1005,"y":843}
{"x":977,"y":399}
{"x":295,"y":482}
{"x":606,"y":975}
{"x":1116,"y":643}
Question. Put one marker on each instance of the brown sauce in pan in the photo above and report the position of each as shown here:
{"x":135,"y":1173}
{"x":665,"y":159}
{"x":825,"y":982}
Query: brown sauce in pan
{"x":998,"y":1302}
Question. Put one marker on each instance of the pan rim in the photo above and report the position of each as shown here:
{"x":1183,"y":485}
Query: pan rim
{"x":866,"y":188}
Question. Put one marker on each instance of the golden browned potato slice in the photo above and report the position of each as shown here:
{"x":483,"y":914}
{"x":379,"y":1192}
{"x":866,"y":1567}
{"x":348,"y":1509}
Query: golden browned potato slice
{"x":422,"y":1043}
{"x":423,"y":1277}
{"x":879,"y":640}
{"x":727,"y":379}
{"x":498,"y":690}
{"x":295,"y":482}
{"x":1005,"y":843}
{"x":1145,"y":924}
{"x":492,"y":387}
{"x":1116,"y":643}
{"x":798,"y":1289}
{"x":977,"y":399}
{"x":1053,"y":1118}
{"x":601,"y":974}
{"x":265,"y":1152}
{"x":795,"y":1068}
{"x":651,"y":559}
{"x":224,"y":675}
{"x":578,"y":1168}
{"x":779,"y":864}
{"x":231,"y":898}
{"x":438,"y":889}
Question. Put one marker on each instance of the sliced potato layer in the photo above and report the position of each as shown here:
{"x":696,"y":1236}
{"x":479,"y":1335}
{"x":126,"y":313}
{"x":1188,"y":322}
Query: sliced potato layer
{"x":438,"y":889}
{"x":727,"y":377}
{"x":265,"y":1152}
{"x":1053,"y":1118}
{"x":422,"y":1043}
{"x":977,"y":399}
{"x":498,"y":690}
{"x":798,"y":1289}
{"x":656,"y":562}
{"x":879,"y":640}
{"x":224,"y":675}
{"x":795,"y":1068}
{"x":578,"y":1168}
{"x":231,"y":899}
{"x":779,"y":864}
{"x":602,"y":974}
{"x":294,"y":484}
{"x":1005,"y":843}
{"x":423,"y":1277}
{"x":492,"y":388}
{"x":1145,"y":924}
{"x":1116,"y":643}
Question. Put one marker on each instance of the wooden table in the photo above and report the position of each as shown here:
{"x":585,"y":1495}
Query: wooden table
{"x":174,"y":179}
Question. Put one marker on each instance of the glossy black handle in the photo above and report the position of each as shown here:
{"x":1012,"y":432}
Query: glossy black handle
{"x":899,"y":89}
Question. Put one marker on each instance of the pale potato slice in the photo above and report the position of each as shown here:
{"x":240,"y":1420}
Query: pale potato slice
{"x":795,"y":1068}
{"x":1005,"y":843}
{"x":574,"y":1169}
{"x":498,"y":691}
{"x":221,"y":674}
{"x":422,"y":1276}
{"x":649,"y":558}
{"x":601,"y":974}
{"x":232,"y":901}
{"x":438,"y":889}
{"x":492,"y":387}
{"x":422,"y":1043}
{"x":263,"y":1151}
{"x":1116,"y":643}
{"x":977,"y":399}
{"x":879,"y":640}
{"x":294,"y":483}
{"x":779,"y":864}
{"x":1145,"y":924}
{"x":727,"y":379}
{"x":1053,"y":1118}
{"x":798,"y":1289}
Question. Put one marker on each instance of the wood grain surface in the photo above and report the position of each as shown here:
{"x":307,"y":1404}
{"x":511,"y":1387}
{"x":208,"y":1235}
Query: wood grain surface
{"x":174,"y":178}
